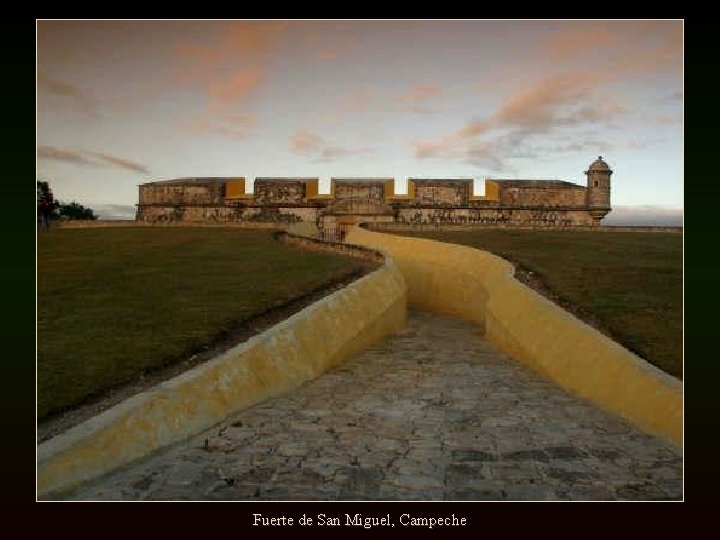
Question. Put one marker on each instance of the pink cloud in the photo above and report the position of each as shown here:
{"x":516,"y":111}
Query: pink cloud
{"x":329,"y":47}
{"x":540,"y":104}
{"x":120,"y":162}
{"x":313,"y":145}
{"x":416,"y":97}
{"x":236,"y":126}
{"x":89,"y":158}
{"x":618,"y":49}
{"x":420,"y":92}
{"x":233,"y":41}
{"x":580,"y":38}
{"x":345,"y":106}
{"x":305,"y":141}
{"x":230,"y":67}
{"x":58,"y":154}
{"x":556,"y":102}
{"x":238,"y":87}
{"x":82,"y":101}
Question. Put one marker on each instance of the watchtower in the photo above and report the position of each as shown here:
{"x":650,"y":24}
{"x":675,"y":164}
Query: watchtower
{"x":598,"y":189}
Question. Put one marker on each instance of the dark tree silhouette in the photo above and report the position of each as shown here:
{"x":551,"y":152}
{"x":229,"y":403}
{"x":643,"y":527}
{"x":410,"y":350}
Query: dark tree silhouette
{"x":46,"y":205}
{"x":74,"y":210}
{"x":50,"y":209}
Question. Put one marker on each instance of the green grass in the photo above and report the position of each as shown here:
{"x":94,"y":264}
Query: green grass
{"x":113,"y":303}
{"x":631,"y":283}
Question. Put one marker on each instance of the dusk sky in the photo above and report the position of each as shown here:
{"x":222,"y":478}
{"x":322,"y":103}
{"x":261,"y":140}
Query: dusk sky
{"x":120,"y":103}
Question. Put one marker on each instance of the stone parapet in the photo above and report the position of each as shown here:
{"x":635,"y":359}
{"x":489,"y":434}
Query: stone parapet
{"x":298,"y":349}
{"x":476,"y":285}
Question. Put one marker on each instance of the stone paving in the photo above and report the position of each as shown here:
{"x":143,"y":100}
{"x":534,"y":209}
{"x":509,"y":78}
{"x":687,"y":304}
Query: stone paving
{"x":434,"y":413}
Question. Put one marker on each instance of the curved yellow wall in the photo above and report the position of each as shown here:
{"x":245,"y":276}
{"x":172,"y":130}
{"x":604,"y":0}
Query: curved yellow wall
{"x":290,"y":353}
{"x":479,"y":286}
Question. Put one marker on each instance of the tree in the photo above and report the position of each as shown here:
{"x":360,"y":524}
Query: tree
{"x":50,"y":209}
{"x":75,"y":210}
{"x":46,"y":206}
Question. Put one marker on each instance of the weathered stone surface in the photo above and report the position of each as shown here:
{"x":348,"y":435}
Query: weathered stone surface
{"x":467,"y":423}
{"x":536,"y":203}
{"x":442,"y":192}
{"x":268,"y":191}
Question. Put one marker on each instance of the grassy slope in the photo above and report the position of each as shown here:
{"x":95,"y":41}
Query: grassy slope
{"x":114,"y":302}
{"x":631,"y":283}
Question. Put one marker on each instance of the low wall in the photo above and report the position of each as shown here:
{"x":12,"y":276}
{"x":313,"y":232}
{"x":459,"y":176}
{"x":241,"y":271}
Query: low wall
{"x":283,"y":357}
{"x":313,"y":244}
{"x":479,"y":286}
{"x":92,"y":224}
{"x":410,"y":227}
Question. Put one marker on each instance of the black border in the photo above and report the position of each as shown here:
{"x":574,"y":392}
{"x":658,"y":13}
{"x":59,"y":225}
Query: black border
{"x":701,"y":409}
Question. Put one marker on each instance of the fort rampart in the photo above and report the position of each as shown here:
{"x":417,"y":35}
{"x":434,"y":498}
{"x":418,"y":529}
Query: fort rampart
{"x":298,"y":349}
{"x":452,"y":201}
{"x":478,"y":286}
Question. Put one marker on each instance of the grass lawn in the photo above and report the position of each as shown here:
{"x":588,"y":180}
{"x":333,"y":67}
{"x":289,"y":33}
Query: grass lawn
{"x":629,"y":283}
{"x":113,"y":303}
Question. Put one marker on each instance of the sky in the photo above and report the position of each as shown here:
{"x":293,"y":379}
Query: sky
{"x":120,"y":103}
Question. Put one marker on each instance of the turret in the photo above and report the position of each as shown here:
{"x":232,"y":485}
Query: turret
{"x":598,"y":189}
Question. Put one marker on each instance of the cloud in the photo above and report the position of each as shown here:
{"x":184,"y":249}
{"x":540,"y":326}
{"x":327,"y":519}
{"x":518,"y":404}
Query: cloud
{"x":420,"y":92}
{"x":120,"y":162}
{"x":232,"y":41}
{"x":330,"y":46}
{"x":617,"y":49}
{"x":230,"y":66}
{"x":554,"y":103}
{"x":645,"y":215}
{"x":236,"y":126}
{"x":546,"y":104}
{"x":305,"y":141}
{"x":416,"y":98}
{"x":313,"y":145}
{"x":83,"y":102}
{"x":340,"y":110}
{"x":236,"y":88}
{"x":580,"y":39}
{"x":88,"y":158}
{"x":113,"y":211}
{"x":68,"y":156}
{"x":580,"y":145}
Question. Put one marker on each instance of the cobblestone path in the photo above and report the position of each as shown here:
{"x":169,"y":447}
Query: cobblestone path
{"x":434,"y":413}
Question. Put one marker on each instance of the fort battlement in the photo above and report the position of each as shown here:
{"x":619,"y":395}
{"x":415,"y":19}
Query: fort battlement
{"x":519,"y":202}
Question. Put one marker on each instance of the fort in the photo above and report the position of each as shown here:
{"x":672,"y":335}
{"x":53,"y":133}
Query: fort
{"x":506,"y":202}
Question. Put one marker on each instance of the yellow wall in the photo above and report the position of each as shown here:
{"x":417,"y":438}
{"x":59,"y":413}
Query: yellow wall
{"x":292,"y":352}
{"x":479,"y":286}
{"x":312,"y":189}
{"x":235,"y":189}
{"x":492,"y":190}
{"x":389,"y":191}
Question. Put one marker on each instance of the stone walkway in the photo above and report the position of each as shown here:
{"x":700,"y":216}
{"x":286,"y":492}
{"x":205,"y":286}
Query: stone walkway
{"x":432,"y":414}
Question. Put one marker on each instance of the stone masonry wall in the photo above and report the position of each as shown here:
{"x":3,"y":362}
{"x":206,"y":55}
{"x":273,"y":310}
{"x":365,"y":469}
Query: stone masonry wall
{"x":442,"y":193}
{"x":373,"y":191}
{"x":279,"y":192}
{"x":441,"y":201}
{"x":222,"y":214}
{"x":538,"y":196}
{"x":201,"y":193}
{"x":540,"y":217}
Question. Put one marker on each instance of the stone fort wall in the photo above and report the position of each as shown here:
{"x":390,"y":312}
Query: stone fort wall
{"x":531,"y":329}
{"x":448,"y":201}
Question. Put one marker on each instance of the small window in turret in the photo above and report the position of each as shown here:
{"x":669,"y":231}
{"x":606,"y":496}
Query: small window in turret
{"x":597,"y":183}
